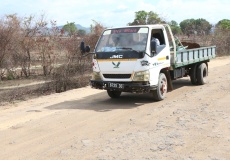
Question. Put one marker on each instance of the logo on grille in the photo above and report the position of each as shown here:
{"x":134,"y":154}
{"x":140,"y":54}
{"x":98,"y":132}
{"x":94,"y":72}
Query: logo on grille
{"x":117,"y":56}
{"x":116,"y":65}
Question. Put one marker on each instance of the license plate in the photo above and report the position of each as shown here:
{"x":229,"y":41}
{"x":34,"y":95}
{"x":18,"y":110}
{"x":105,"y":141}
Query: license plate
{"x":116,"y":85}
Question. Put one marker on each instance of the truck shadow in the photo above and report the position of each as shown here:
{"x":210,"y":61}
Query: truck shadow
{"x":177,"y":84}
{"x":101,"y":102}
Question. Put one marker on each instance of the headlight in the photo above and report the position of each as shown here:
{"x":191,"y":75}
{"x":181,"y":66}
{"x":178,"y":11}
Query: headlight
{"x":96,"y":76}
{"x":141,"y":76}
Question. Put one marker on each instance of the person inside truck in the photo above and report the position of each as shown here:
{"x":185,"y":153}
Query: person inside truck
{"x":126,"y":40}
{"x":110,"y":44}
{"x":159,"y":42}
{"x":156,"y":38}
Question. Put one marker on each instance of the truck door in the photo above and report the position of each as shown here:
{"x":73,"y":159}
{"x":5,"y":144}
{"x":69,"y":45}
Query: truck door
{"x":161,"y":56}
{"x":162,"y":50}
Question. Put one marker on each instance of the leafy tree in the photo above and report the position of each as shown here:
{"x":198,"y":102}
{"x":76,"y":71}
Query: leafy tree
{"x":175,"y":27}
{"x":203,"y":27}
{"x":70,"y":28}
{"x":187,"y":26}
{"x":224,"y":24}
{"x":173,"y":23}
{"x":81,"y":32}
{"x":195,"y":26}
{"x":142,"y":17}
{"x":153,"y":18}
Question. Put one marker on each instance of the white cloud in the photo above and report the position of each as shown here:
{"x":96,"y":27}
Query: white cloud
{"x":117,"y":13}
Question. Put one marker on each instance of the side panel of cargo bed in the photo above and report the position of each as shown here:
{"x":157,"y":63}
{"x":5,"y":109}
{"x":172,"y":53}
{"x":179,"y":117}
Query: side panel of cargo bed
{"x":190,"y":56}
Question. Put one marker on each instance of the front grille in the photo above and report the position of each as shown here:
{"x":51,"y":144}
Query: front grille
{"x":118,"y":76}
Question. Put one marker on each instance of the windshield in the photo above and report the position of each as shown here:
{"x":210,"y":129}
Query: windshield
{"x":123,"y":39}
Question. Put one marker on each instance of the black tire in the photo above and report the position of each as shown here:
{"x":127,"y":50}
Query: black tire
{"x":202,"y":73}
{"x":160,"y":93}
{"x":193,"y":74}
{"x":114,"y":94}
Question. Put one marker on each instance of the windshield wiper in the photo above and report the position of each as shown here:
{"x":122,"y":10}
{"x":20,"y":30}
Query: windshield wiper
{"x":124,"y":48}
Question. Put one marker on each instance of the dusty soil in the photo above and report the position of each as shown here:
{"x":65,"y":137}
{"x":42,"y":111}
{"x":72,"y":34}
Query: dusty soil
{"x":192,"y":123}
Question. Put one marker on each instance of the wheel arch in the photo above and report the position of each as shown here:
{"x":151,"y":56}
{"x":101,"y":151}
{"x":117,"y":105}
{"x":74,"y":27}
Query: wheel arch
{"x":169,"y":80}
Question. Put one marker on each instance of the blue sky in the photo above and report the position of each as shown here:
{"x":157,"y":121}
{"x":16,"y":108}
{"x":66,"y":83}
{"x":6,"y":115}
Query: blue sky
{"x":114,"y":13}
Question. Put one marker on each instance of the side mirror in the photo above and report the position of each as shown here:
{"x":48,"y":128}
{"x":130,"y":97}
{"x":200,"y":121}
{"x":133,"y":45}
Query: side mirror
{"x":153,"y":46}
{"x":87,"y":48}
{"x":83,"y":48}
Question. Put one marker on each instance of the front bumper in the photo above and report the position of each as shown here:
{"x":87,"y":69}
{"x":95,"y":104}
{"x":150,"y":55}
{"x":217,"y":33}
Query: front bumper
{"x":136,"y":87}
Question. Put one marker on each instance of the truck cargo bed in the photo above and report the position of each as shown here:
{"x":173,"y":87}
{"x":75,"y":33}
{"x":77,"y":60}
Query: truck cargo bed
{"x":190,"y":56}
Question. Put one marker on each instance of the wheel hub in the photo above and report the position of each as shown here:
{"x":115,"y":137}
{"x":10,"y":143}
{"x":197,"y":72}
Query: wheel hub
{"x":163,"y":87}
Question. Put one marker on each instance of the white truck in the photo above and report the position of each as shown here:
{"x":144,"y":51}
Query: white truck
{"x":127,"y":59}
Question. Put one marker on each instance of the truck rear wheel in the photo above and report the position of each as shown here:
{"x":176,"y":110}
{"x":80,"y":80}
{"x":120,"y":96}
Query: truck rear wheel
{"x":193,"y":74}
{"x":160,"y":93}
{"x":114,"y":94}
{"x":202,"y":73}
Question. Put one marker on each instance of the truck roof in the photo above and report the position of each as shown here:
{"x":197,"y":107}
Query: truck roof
{"x":149,"y":26}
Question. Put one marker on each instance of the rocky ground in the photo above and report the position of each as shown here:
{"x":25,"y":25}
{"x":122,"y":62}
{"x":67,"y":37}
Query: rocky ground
{"x":192,"y":123}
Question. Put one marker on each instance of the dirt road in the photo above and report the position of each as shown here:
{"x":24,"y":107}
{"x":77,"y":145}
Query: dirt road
{"x":192,"y":123}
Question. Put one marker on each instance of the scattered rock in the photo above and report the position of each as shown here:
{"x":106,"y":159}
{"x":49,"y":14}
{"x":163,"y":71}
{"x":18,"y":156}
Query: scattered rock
{"x":86,"y":142}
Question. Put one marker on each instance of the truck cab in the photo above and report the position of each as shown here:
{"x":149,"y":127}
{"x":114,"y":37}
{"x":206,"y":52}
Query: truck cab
{"x":126,"y":60}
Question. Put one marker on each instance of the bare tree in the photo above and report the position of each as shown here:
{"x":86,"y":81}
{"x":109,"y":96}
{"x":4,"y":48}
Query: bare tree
{"x":31,"y":30}
{"x":9,"y":28}
{"x":221,"y":39}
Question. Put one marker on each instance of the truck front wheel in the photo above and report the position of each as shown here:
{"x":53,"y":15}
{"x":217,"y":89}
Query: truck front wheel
{"x":114,"y":94}
{"x":202,"y":73}
{"x":160,"y":93}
